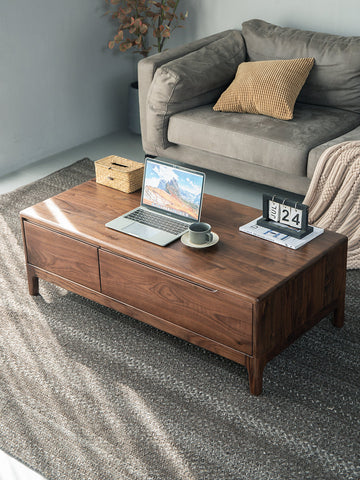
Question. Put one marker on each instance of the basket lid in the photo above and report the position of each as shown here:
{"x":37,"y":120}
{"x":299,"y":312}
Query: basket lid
{"x":119,"y":163}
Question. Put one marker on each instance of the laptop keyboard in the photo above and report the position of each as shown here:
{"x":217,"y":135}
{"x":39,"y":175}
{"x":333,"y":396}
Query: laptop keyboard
{"x":157,"y":221}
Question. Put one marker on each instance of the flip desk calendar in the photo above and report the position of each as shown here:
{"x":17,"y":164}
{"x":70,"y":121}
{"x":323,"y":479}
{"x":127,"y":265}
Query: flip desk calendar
{"x":285,"y":216}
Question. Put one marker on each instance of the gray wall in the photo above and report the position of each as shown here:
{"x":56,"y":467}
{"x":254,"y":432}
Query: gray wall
{"x":60,"y":86}
{"x":331,"y":16}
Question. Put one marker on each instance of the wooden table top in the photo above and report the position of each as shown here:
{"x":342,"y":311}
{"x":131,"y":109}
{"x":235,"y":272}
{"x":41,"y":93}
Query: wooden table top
{"x":239,"y":264}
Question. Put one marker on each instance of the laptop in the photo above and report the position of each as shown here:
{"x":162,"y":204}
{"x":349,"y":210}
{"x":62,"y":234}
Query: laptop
{"x":171,"y":200}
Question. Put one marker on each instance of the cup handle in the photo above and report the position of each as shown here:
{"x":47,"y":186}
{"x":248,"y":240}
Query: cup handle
{"x":209,"y":237}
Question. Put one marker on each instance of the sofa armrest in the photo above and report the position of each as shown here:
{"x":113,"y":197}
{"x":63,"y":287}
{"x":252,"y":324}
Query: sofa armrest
{"x":316,"y":152}
{"x":183,"y":78}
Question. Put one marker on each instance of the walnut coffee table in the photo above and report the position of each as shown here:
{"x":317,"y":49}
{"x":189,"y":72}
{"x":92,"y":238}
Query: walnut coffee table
{"x":245,"y":298}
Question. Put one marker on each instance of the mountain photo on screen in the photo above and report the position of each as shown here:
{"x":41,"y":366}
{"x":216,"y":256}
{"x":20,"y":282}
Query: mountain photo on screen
{"x":173,"y":190}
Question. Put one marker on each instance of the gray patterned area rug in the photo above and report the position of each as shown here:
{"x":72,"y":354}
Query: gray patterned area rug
{"x":89,"y":394}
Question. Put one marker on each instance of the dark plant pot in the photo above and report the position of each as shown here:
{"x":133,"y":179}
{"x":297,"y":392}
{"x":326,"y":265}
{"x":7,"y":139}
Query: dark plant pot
{"x":133,"y":108}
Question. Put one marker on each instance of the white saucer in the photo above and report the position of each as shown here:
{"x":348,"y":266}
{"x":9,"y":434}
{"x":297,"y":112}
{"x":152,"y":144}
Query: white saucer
{"x":185,"y":239}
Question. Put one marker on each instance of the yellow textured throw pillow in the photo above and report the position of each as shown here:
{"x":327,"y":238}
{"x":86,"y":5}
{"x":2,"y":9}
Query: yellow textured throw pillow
{"x":270,"y":87}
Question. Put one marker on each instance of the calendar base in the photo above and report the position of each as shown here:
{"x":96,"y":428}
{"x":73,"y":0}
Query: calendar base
{"x":277,"y":227}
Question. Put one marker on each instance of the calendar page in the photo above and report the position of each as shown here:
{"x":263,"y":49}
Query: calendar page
{"x":280,"y":238}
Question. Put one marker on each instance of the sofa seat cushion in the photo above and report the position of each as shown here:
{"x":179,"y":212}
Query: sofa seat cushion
{"x":258,"y":139}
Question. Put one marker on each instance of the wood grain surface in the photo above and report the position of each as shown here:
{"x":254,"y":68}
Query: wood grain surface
{"x":202,"y":310}
{"x":62,"y":255}
{"x":239,"y":263}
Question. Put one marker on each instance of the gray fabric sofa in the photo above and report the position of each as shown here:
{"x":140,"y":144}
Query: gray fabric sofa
{"x":178,"y":88}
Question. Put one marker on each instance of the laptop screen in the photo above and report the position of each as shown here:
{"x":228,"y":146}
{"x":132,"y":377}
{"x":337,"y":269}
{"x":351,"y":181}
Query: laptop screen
{"x":173,"y":189}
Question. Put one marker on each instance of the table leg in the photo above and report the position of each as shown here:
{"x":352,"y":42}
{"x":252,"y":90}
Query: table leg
{"x":33,"y":281}
{"x":255,"y":368}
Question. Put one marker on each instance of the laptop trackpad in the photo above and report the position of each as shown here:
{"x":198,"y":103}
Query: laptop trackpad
{"x":140,"y":230}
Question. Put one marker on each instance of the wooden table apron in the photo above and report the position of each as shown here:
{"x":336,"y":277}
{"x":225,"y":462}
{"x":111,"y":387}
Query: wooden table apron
{"x":244,"y":298}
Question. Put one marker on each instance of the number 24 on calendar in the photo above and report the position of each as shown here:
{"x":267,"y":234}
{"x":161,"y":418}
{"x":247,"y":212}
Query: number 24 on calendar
{"x":285,"y":214}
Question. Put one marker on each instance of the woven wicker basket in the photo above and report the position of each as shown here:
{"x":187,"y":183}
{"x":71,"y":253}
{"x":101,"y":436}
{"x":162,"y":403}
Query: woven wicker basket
{"x":120,"y":173}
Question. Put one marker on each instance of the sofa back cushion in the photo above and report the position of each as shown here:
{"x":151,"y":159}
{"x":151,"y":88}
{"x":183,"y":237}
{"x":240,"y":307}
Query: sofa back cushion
{"x":334,"y":81}
{"x":195,"y":79}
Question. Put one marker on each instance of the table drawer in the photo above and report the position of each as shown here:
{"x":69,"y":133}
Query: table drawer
{"x":62,"y":255}
{"x":213,"y":314}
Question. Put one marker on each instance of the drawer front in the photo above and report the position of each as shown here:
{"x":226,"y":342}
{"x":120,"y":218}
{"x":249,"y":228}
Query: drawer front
{"x":216,"y":315}
{"x":62,"y":255}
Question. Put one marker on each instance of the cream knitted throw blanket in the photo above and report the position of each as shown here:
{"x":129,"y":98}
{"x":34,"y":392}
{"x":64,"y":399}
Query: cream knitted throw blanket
{"x":334,"y":195}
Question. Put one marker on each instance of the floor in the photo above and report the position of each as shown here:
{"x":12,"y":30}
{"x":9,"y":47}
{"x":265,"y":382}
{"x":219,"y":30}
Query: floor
{"x":11,"y":469}
{"x":126,"y":145}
